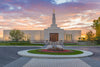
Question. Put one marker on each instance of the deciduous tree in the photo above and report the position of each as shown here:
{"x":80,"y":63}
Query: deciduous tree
{"x":96,"y":26}
{"x":16,"y":35}
{"x":90,"y":36}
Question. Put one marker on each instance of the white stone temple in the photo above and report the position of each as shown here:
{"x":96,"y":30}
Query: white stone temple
{"x":53,"y":34}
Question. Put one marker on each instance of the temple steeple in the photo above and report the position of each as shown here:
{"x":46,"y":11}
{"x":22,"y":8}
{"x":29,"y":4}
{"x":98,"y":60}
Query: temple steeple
{"x":53,"y":17}
{"x":54,"y":25}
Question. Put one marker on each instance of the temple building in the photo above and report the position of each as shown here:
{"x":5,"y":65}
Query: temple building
{"x":52,"y":33}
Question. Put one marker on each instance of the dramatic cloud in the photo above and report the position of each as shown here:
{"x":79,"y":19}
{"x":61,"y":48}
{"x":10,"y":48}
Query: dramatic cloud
{"x":62,"y":1}
{"x":37,"y":14}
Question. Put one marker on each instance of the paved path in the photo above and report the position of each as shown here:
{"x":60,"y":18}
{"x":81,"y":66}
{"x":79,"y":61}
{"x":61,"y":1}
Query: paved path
{"x":9,"y":58}
{"x":31,"y":62}
{"x":56,"y":63}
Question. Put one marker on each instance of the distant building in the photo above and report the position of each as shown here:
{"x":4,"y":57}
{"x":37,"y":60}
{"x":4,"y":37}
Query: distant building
{"x":53,"y":34}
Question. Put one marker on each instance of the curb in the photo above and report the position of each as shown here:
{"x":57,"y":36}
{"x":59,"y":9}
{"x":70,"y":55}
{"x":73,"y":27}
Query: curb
{"x":26,"y":54}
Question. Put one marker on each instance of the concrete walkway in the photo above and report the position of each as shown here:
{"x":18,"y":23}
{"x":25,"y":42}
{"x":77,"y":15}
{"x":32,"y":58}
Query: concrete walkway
{"x":56,"y":63}
{"x":32,"y":62}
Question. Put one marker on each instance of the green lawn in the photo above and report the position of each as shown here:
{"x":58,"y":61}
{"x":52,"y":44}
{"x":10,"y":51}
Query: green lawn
{"x":75,"y":52}
{"x":29,"y":44}
{"x":75,"y":44}
{"x":82,"y":45}
{"x":20,"y":44}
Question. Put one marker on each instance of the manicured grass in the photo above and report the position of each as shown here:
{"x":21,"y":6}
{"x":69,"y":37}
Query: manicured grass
{"x":20,"y":44}
{"x":70,"y":43}
{"x":75,"y":44}
{"x":82,"y":45}
{"x":75,"y":52}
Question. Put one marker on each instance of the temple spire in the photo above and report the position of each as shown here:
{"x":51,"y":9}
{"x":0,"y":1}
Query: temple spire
{"x":53,"y":25}
{"x":53,"y":18}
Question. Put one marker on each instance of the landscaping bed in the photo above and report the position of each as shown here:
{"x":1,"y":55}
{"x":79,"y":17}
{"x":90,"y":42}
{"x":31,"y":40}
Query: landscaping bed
{"x":68,"y":52}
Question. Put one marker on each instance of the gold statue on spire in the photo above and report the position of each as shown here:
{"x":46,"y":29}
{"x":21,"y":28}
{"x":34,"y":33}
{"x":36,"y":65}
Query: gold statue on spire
{"x":53,"y":10}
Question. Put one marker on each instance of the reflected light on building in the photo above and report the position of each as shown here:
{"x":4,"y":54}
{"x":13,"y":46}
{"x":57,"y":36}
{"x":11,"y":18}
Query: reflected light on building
{"x":6,"y":38}
{"x":37,"y":37}
{"x":27,"y":37}
{"x":83,"y":36}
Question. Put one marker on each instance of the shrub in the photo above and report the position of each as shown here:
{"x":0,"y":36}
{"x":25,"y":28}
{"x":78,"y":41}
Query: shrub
{"x":17,"y":43}
{"x":70,"y":43}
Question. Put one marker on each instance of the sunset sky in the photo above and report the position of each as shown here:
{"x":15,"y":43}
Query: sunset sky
{"x":37,"y":14}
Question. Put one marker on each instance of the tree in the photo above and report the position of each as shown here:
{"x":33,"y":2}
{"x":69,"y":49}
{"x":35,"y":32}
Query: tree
{"x":79,"y":38}
{"x":96,"y":26}
{"x":16,"y":35}
{"x":83,"y":39}
{"x":90,"y":36}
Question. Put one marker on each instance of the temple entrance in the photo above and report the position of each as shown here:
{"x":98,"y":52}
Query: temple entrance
{"x":53,"y":37}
